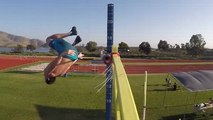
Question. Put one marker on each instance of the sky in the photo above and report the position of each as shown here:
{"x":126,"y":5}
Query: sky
{"x":135,"y":21}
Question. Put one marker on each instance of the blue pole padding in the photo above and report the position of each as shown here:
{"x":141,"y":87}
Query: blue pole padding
{"x":110,"y":21}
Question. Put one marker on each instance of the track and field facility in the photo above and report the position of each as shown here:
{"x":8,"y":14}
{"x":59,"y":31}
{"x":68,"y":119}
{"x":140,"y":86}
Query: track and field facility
{"x":25,"y":96}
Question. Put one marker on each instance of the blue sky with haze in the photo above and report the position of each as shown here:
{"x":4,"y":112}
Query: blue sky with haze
{"x":135,"y":21}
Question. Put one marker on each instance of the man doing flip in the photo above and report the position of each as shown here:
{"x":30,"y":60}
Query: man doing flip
{"x":67,"y":55}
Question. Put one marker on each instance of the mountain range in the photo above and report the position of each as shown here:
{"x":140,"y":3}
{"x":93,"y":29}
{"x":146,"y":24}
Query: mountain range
{"x":10,"y":40}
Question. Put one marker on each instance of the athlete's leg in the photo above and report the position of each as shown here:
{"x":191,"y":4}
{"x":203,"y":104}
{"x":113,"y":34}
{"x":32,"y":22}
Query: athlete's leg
{"x":73,"y":31}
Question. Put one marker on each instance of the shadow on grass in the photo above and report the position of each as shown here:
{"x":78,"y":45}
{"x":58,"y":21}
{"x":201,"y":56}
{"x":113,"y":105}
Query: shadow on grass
{"x":189,"y":116}
{"x":159,"y":90}
{"x":156,"y":85}
{"x":21,"y":72}
{"x":54,"y":113}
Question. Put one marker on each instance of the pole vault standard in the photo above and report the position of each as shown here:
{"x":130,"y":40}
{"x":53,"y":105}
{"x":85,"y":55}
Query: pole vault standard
{"x":145,"y":91}
{"x":110,"y":21}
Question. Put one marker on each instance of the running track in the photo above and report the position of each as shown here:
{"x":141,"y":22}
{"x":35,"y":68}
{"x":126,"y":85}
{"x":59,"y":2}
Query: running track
{"x":14,"y":61}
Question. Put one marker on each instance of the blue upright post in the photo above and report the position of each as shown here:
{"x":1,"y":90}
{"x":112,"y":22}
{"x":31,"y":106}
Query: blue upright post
{"x":110,"y":20}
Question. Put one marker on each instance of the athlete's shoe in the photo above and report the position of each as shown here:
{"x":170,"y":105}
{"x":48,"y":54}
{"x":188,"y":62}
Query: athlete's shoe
{"x":73,"y":31}
{"x":77,"y":40}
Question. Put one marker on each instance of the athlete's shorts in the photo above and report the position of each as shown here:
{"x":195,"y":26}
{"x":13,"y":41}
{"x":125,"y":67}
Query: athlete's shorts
{"x":60,"y":45}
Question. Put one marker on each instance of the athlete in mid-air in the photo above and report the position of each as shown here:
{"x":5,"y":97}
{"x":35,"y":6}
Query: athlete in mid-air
{"x":67,"y":55}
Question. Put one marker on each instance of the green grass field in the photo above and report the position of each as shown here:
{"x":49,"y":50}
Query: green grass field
{"x":165,"y":104}
{"x":25,"y":96}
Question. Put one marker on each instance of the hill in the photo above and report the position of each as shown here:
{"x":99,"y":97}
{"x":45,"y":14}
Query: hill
{"x":10,"y":40}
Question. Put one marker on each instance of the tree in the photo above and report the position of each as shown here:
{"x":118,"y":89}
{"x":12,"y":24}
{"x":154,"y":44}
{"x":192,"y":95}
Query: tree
{"x":177,"y":46}
{"x":183,"y":46}
{"x":123,"y":47}
{"x":31,"y":47}
{"x":91,"y":46}
{"x":145,"y":48}
{"x":163,"y":45}
{"x":196,"y":45}
{"x":18,"y":49}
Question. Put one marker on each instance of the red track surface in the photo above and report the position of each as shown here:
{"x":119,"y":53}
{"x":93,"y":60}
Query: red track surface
{"x":162,"y":61}
{"x":140,"y":69}
{"x":13,"y":61}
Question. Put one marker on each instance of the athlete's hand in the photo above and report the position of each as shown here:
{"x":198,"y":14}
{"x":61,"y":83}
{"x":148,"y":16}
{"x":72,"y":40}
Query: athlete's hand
{"x":80,"y":56}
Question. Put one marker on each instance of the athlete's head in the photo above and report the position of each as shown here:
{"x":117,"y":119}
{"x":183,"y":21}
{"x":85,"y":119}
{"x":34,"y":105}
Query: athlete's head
{"x":50,"y":80}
